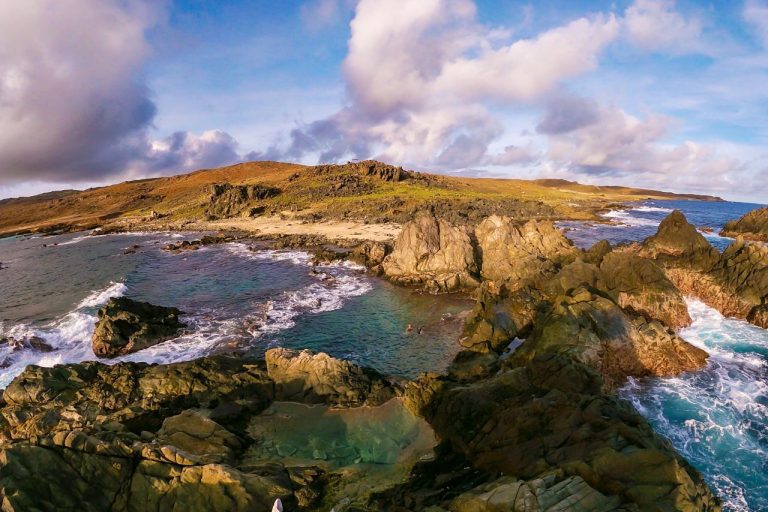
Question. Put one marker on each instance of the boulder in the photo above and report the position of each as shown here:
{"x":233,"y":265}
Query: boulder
{"x":304,"y":376}
{"x":511,"y":252}
{"x":433,"y":253}
{"x":597,"y":252}
{"x":752,"y":226}
{"x":126,"y":326}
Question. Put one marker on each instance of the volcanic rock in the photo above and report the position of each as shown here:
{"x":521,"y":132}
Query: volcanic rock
{"x":511,"y":252}
{"x":126,"y":326}
{"x":433,"y":253}
{"x":304,"y":376}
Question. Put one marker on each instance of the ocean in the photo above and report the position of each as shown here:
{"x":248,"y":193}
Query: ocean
{"x":234,"y":299}
{"x":244,"y":300}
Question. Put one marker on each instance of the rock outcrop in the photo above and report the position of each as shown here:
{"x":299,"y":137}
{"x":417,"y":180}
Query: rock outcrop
{"x":126,"y":326}
{"x":735,"y":282}
{"x":433,"y":253}
{"x":554,"y":436}
{"x":594,"y":330}
{"x":677,"y":243}
{"x":227,"y":200}
{"x":639,"y":285}
{"x":752,"y":226}
{"x":511,"y":253}
{"x":304,"y":376}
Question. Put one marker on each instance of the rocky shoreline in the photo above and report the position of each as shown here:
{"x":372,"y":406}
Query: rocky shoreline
{"x":525,"y":419}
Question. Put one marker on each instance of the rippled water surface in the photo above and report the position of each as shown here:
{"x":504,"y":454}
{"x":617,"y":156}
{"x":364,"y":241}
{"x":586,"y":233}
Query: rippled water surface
{"x":234,"y":299}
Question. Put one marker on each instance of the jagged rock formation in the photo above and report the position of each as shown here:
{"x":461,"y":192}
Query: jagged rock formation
{"x":752,"y":226}
{"x":138,"y":437}
{"x":433,"y":253}
{"x":302,"y":376}
{"x":126,"y":326}
{"x":592,"y":329}
{"x":678,"y":243}
{"x":228,"y":200}
{"x":639,"y":285}
{"x":511,"y":252}
{"x":735,"y":283}
{"x":555,"y":437}
{"x":443,"y":256}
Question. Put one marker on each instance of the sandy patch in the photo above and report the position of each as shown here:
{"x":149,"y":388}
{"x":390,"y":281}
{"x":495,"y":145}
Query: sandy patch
{"x":274,"y":225}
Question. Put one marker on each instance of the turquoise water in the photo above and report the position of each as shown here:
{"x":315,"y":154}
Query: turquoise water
{"x":235,"y":299}
{"x":717,"y":417}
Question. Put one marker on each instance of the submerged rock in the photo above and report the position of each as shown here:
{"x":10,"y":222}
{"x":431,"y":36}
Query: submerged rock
{"x":126,"y":326}
{"x":752,"y":226}
{"x":433,"y":253}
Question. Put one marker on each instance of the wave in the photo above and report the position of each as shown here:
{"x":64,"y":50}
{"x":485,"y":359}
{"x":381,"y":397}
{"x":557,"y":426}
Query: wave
{"x":717,"y":417}
{"x":70,"y":336}
{"x":624,"y":218}
{"x":651,"y":209}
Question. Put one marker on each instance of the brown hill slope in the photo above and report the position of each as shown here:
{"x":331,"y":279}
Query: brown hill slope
{"x":366,"y":191}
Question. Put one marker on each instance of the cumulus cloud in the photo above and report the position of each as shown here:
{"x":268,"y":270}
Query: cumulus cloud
{"x":421,"y":86}
{"x":321,"y":14}
{"x":655,"y":25}
{"x":617,"y":144}
{"x":73,"y":106}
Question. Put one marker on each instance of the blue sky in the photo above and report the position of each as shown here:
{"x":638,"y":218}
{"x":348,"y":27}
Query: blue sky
{"x":652,"y":93}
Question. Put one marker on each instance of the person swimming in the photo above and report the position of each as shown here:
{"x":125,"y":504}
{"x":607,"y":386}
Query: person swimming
{"x":409,"y":328}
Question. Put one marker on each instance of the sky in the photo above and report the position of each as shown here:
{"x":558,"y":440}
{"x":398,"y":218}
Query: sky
{"x":659,"y":94}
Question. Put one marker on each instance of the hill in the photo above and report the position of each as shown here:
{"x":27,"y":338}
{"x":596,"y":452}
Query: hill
{"x":367,"y":192}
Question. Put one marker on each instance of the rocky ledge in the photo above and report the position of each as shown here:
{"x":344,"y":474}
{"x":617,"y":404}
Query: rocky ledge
{"x":125,"y":326}
{"x":438,"y":255}
{"x":752,"y":226}
{"x":734,"y":282}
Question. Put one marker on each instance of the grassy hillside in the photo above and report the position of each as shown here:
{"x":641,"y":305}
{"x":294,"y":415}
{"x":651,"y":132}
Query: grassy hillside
{"x":367,"y":191}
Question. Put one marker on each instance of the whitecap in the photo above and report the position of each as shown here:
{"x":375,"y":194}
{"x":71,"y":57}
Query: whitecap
{"x":651,"y":209}
{"x":624,"y":218}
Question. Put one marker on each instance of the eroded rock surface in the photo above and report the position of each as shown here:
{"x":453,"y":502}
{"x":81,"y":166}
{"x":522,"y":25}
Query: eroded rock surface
{"x":304,"y":376}
{"x":752,"y":226}
{"x":512,"y":252}
{"x":227,"y":200}
{"x":433,"y":253}
{"x":734,"y":282}
{"x":126,"y":326}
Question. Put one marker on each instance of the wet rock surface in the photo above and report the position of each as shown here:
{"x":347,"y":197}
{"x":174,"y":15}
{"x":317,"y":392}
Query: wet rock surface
{"x":125,"y":326}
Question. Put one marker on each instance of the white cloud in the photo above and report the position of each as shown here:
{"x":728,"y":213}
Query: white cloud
{"x":73,"y":106}
{"x":422,"y":84}
{"x":655,"y":25}
{"x":755,"y":13}
{"x":617,"y":144}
